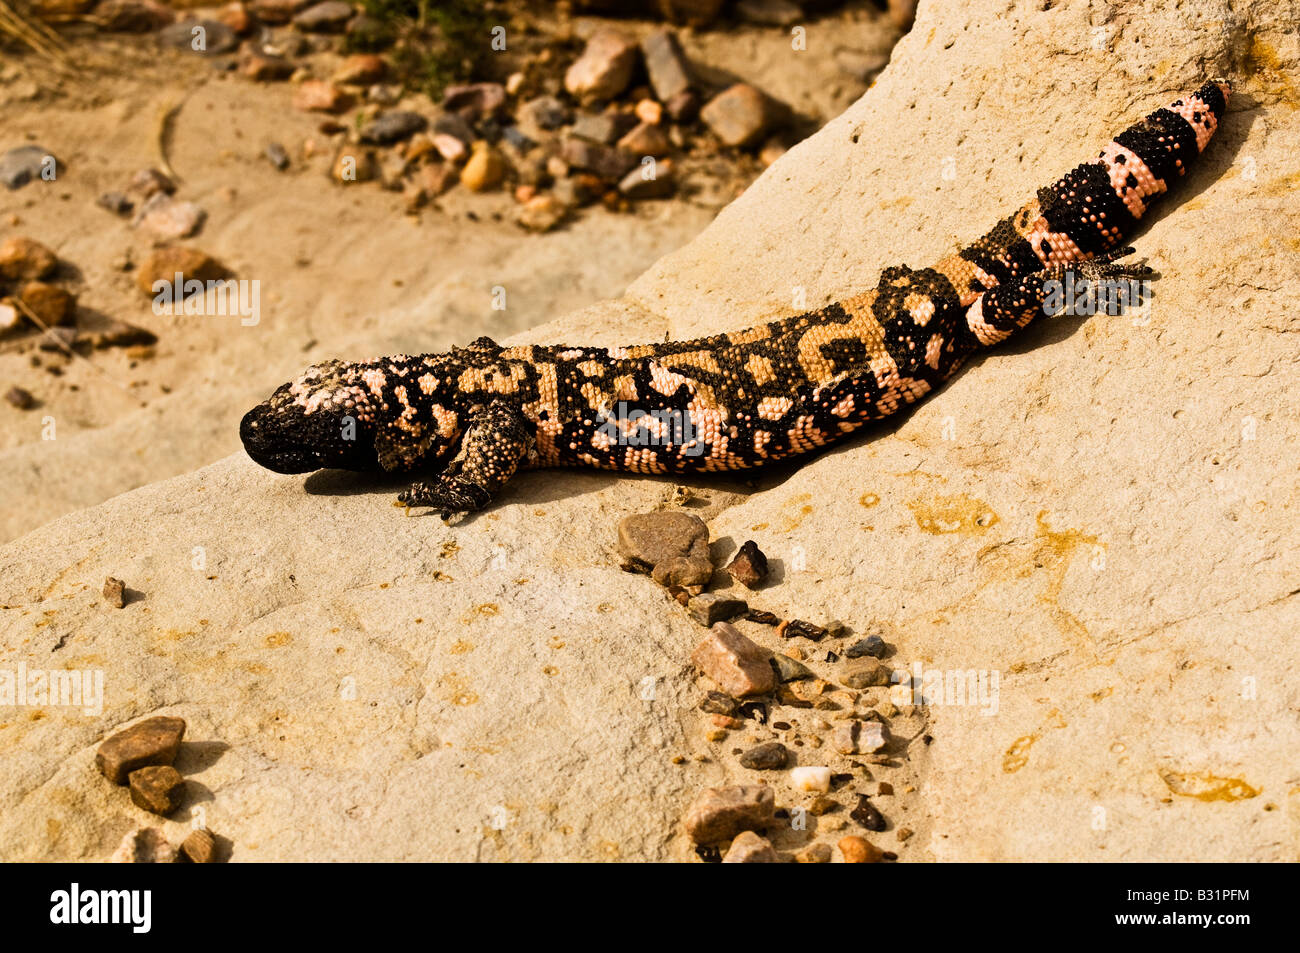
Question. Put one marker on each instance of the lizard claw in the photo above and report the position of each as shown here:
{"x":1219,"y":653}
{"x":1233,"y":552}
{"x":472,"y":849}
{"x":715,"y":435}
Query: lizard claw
{"x":450,"y":494}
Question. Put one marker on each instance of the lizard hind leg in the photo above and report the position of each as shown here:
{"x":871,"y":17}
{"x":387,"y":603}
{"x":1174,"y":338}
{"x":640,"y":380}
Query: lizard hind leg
{"x":495,"y":443}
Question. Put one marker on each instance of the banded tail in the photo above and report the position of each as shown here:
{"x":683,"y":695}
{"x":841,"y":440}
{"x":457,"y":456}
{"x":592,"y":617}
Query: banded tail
{"x":1093,"y":209}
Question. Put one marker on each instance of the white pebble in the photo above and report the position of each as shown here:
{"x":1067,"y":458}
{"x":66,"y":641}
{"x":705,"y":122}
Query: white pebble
{"x":809,"y":778}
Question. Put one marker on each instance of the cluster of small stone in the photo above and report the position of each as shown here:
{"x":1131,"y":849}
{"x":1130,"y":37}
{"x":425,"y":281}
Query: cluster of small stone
{"x":140,"y":757}
{"x":749,"y":681}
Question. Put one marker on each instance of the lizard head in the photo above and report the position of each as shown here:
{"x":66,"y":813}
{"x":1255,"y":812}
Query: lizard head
{"x":338,"y":415}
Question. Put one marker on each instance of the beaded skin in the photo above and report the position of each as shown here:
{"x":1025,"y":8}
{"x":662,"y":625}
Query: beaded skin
{"x":474,"y":416}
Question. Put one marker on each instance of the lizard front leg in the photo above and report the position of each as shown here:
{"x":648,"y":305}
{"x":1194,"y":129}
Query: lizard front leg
{"x":496,"y":441}
{"x":1000,"y":311}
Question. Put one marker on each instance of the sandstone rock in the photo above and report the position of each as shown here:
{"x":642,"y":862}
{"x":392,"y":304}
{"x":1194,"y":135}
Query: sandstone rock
{"x":720,"y":814}
{"x":605,"y":67}
{"x":672,"y":547}
{"x":868,"y":673}
{"x":169,"y":219}
{"x":265,"y":68}
{"x":144,"y":845}
{"x":200,"y":847}
{"x":733,"y":662}
{"x":750,"y":848}
{"x":669,"y":71}
{"x":814,"y":854}
{"x":24,"y":259}
{"x":154,"y":741}
{"x":158,"y":788}
{"x":739,"y":115}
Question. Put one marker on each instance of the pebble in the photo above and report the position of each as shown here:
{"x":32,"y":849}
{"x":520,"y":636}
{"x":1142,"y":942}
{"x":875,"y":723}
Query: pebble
{"x":170,"y":219}
{"x":749,"y":566}
{"x":905,"y":833}
{"x":790,"y":670}
{"x":361,"y":69}
{"x":165,"y":263}
{"x":132,"y":16}
{"x":750,"y":848}
{"x":277,"y":12}
{"x":474,"y":100}
{"x":542,"y":213}
{"x":733,"y":662}
{"x":450,"y":148}
{"x":684,"y":107}
{"x":647,"y":110}
{"x":815,"y":854}
{"x":761,"y":617}
{"x":234,"y":15}
{"x":545,"y":112}
{"x":867,"y":674}
{"x":200,"y":847}
{"x":666,"y":64}
{"x":115,"y":202}
{"x":144,"y":845}
{"x":857,"y":850}
{"x":485,"y":168}
{"x":739,"y":115}
{"x":718,"y":703}
{"x":867,"y":815}
{"x":331,"y":16}
{"x":721,"y":813}
{"x":637,"y":185}
{"x":147,"y":183}
{"x":872,"y":645}
{"x":158,"y":788}
{"x":50,"y":304}
{"x":726,"y":721}
{"x":605,"y":67}
{"x":22,"y":399}
{"x":798,"y":627}
{"x":27,"y":164}
{"x":605,"y":161}
{"x":266,"y":68}
{"x":822,"y":805}
{"x":769,"y":756}
{"x":354,"y":165}
{"x":23,"y":259}
{"x":811,"y":778}
{"x":603,"y":128}
{"x":393,"y":127}
{"x":646,"y":139}
{"x":154,"y":741}
{"x":205,"y":37}
{"x":672,"y":547}
{"x":710,"y":607}
{"x":860,"y":737}
{"x":277,"y":155}
{"x":114,"y":333}
{"x":114,"y":592}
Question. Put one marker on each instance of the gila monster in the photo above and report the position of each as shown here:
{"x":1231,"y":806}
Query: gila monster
{"x":475,"y":416}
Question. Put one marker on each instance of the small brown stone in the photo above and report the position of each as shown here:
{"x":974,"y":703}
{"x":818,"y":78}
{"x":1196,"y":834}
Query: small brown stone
{"x":200,"y":847}
{"x":154,"y":741}
{"x":737,"y":665}
{"x":868,"y":673}
{"x":49,"y":303}
{"x":719,"y":814}
{"x":858,"y":850}
{"x":739,"y":115}
{"x":814,"y":854}
{"x":22,"y":399}
{"x":749,"y":566}
{"x":157,"y":788}
{"x":144,"y":845}
{"x":710,"y":607}
{"x":114,"y":592}
{"x":22,"y":259}
{"x":605,"y":67}
{"x":646,"y":140}
{"x":263,"y":68}
{"x":321,"y":96}
{"x":484,"y":170}
{"x":165,"y":263}
{"x":361,"y":69}
{"x":750,"y":848}
{"x":672,"y":547}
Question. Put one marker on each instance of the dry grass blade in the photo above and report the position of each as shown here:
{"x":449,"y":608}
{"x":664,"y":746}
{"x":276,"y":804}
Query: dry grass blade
{"x":33,"y":34}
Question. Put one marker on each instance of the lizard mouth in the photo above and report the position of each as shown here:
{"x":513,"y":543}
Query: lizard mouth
{"x":272,"y":450}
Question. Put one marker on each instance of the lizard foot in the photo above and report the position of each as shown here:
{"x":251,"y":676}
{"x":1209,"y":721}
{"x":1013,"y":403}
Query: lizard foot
{"x":452,"y":495}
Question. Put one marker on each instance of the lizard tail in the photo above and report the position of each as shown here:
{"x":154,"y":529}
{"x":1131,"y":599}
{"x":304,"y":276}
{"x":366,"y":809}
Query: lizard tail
{"x":1094,"y":208}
